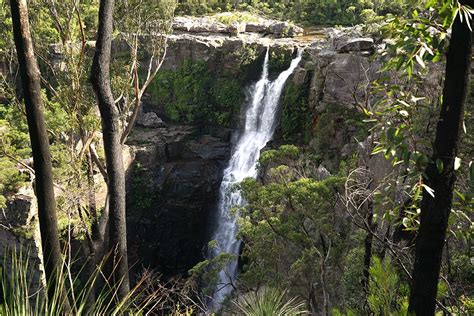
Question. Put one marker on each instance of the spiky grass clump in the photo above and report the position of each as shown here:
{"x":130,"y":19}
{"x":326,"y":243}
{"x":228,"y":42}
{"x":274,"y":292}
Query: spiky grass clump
{"x":269,"y":302}
{"x":70,"y":296}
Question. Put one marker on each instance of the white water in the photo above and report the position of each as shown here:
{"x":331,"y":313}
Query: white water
{"x":259,"y":127}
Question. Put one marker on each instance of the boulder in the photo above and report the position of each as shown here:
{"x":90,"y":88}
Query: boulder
{"x":285,"y":29}
{"x":257,"y":27}
{"x":151,"y":120}
{"x":322,"y":173}
{"x":295,"y":31}
{"x":299,"y":76}
{"x":346,"y":77}
{"x":362,"y":44}
{"x":181,"y":23}
{"x":236,"y":28}
{"x":279,"y":29}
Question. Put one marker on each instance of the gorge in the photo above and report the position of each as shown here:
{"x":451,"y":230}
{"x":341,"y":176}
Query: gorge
{"x":264,"y":161}
{"x":178,"y":164}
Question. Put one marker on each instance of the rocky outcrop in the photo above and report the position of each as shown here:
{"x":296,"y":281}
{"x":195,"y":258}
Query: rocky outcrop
{"x":199,"y":25}
{"x":211,"y":24}
{"x":150,"y":119}
{"x":172,"y":189}
{"x":19,"y":236}
{"x":357,"y":45}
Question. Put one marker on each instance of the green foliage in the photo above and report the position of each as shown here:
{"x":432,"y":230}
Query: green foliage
{"x":385,"y":289}
{"x":355,"y":297}
{"x":279,"y":155}
{"x":14,"y":138}
{"x":288,"y":224}
{"x":193,"y":95}
{"x":308,"y":12}
{"x":10,"y":180}
{"x":207,"y":271}
{"x":296,"y":116}
{"x":229,"y":18}
{"x":279,"y":60}
{"x":14,"y":147}
{"x":269,"y":301}
{"x":6,"y":37}
{"x":328,"y":134}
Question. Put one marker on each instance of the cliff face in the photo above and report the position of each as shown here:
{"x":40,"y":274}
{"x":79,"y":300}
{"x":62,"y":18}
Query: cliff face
{"x":183,"y":140}
{"x":172,"y":188}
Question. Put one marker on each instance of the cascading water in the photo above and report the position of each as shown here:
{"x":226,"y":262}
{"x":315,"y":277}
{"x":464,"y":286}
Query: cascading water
{"x":259,"y":127}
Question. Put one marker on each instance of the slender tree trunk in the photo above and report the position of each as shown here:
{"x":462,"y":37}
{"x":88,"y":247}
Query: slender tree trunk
{"x":435,"y":210}
{"x":30,"y":79}
{"x":100,"y":79}
{"x":368,"y":253}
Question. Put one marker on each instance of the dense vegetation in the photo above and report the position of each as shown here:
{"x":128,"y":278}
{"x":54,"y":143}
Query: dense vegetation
{"x":192,"y":94}
{"x":325,"y":230}
{"x":306,"y":12}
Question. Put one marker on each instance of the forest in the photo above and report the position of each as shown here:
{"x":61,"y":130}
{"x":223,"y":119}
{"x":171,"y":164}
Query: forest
{"x":236,"y":157}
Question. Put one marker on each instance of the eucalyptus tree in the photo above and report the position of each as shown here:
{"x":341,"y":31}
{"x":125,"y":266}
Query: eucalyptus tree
{"x":440,"y":174}
{"x":30,"y":78}
{"x":420,"y":140}
{"x":137,"y":16}
{"x":100,"y":80}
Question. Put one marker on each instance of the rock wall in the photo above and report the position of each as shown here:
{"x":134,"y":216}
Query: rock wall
{"x":172,"y":188}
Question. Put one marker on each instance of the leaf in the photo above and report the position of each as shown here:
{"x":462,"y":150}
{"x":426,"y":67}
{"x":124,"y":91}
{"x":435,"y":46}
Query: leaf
{"x":460,"y":195}
{"x":404,"y":113}
{"x":420,"y":61}
{"x":429,"y":190}
{"x":436,"y":58}
{"x":457,"y":163}
{"x":406,"y":221}
{"x":416,"y":99}
{"x":403,"y":103}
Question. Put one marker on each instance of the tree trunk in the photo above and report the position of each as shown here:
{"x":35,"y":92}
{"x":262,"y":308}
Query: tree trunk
{"x":368,"y":252}
{"x":100,"y":79}
{"x":44,"y":190}
{"x":435,"y":210}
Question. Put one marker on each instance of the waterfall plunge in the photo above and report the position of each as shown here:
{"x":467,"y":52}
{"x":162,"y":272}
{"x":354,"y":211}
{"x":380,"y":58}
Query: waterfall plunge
{"x":259,"y":127}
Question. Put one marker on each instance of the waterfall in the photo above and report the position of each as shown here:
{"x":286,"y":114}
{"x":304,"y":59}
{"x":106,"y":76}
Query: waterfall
{"x":259,"y":127}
